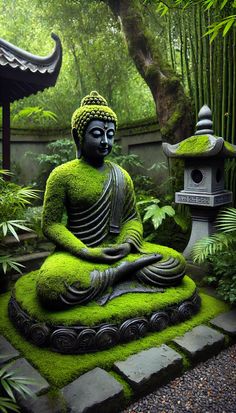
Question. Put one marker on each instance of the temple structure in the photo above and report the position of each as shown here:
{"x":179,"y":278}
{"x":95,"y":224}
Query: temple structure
{"x":23,"y":74}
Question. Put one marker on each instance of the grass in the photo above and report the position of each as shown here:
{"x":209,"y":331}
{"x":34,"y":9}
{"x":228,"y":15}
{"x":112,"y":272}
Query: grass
{"x":60,"y":369}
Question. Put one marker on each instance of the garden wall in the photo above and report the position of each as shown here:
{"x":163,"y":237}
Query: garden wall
{"x":142,"y":139}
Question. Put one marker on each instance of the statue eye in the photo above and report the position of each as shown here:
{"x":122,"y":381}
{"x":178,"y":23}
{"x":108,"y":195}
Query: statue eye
{"x":110,"y":133}
{"x":97,"y":133}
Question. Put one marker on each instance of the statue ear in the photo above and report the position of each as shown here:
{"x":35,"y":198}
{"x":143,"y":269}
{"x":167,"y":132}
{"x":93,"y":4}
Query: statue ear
{"x":77,"y":142}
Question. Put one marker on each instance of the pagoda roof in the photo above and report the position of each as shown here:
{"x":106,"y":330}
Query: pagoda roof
{"x":23,"y":74}
{"x":200,"y":146}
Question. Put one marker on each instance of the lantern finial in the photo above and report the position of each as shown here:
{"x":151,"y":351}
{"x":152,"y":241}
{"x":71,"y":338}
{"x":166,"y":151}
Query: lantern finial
{"x":204,"y":125}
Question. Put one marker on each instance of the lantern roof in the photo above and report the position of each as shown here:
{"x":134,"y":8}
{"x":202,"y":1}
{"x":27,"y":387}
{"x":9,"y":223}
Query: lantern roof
{"x":203,"y":144}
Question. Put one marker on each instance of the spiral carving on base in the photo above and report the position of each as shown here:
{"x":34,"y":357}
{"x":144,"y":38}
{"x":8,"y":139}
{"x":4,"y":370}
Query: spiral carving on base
{"x":78,"y":339}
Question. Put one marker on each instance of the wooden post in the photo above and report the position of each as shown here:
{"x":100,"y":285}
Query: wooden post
{"x":6,"y":154}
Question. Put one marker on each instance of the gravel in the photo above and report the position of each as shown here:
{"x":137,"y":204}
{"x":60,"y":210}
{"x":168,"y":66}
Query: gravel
{"x":208,"y":388}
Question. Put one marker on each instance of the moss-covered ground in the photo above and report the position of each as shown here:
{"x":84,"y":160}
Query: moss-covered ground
{"x":61,"y":369}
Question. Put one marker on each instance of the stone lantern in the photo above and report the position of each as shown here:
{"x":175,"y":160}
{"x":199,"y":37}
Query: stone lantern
{"x":204,"y":192}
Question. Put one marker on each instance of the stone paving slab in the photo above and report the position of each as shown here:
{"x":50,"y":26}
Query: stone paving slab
{"x":7,"y":351}
{"x":150,"y":368}
{"x":200,"y":343}
{"x":23,"y":368}
{"x":41,"y":404}
{"x":226,"y":322}
{"x":95,"y":391}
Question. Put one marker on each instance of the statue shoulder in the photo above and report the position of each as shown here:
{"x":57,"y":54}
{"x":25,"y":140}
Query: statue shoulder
{"x":63,"y":171}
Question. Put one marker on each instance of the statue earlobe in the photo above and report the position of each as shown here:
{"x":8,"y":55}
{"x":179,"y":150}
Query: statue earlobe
{"x":74,"y":133}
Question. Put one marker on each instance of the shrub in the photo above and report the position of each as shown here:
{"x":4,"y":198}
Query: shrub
{"x":219,"y":251}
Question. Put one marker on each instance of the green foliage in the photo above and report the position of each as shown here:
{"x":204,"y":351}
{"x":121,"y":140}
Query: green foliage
{"x":224,"y":267}
{"x":58,"y":152}
{"x":126,"y":161}
{"x":10,"y":384}
{"x":220,"y":241}
{"x":33,"y":216}
{"x":219,"y":251}
{"x":6,"y":262}
{"x":224,"y":25}
{"x":13,"y":201}
{"x":84,"y":40}
{"x":155,"y":213}
{"x":7,"y":405}
{"x":34,"y":114}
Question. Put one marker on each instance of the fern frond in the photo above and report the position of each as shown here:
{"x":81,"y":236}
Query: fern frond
{"x":226,"y":220}
{"x":208,"y":246}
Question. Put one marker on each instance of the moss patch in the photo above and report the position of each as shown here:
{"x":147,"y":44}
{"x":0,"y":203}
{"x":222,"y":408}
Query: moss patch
{"x":115,"y":311}
{"x":194,"y":145}
{"x":230,"y":147}
{"x":60,"y":369}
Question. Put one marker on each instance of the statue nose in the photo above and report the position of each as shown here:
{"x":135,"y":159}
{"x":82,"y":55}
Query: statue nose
{"x":104,"y":141}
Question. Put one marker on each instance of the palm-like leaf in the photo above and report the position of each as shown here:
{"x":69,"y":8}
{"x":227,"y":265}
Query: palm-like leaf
{"x":11,"y":382}
{"x":4,"y":172}
{"x":208,"y":246}
{"x":7,"y":405}
{"x":11,"y":226}
{"x":226,"y":220}
{"x":7,"y":262}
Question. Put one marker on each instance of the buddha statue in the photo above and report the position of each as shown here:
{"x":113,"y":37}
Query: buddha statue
{"x":101,"y":244}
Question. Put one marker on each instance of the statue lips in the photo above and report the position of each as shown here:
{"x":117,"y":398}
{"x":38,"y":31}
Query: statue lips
{"x":104,"y":150}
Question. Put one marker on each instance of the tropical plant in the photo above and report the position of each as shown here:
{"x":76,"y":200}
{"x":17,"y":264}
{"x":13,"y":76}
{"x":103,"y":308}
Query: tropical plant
{"x":13,"y":201}
{"x":156,"y":213}
{"x":11,"y":384}
{"x":219,"y":251}
{"x":220,"y":241}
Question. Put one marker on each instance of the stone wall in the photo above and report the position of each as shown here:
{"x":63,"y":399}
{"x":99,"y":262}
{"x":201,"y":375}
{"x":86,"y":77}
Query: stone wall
{"x":142,"y":139}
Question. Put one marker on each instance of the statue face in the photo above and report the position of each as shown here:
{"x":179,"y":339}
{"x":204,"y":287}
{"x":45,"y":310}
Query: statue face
{"x":98,"y":141}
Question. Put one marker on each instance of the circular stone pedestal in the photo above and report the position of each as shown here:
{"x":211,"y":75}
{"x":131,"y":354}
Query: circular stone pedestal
{"x":93,"y":328}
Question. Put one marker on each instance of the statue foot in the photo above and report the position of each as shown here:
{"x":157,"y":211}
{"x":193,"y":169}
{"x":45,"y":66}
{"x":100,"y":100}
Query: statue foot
{"x":164,"y":274}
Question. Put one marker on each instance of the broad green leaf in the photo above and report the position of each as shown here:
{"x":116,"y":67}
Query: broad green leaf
{"x":167,"y":209}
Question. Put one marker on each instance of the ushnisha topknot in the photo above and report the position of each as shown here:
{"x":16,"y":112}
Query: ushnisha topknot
{"x":93,"y":106}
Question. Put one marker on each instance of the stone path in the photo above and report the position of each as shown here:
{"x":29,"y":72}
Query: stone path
{"x":210,"y":387}
{"x":97,"y":391}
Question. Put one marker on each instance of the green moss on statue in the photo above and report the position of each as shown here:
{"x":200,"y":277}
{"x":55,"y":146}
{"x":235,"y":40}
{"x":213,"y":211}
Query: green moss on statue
{"x":102,"y":242}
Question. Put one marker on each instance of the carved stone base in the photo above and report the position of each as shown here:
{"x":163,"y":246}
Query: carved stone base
{"x":79,"y":339}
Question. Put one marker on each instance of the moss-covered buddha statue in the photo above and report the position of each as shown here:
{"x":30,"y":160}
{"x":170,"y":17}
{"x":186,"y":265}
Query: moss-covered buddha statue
{"x":103,"y":285}
{"x":102,"y":242}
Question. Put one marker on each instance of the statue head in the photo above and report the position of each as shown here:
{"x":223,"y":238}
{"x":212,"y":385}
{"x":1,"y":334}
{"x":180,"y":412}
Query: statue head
{"x":93,"y":128}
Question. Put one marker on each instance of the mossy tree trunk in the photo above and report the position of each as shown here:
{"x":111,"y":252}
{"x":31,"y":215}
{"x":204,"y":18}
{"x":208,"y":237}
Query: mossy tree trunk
{"x":172,"y":104}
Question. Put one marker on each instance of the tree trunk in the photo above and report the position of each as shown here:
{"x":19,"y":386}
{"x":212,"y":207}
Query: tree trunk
{"x":172,"y":105}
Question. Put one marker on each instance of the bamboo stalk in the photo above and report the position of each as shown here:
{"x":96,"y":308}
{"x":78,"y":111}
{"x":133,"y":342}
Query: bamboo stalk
{"x":186,"y":59}
{"x":231,"y":66}
{"x":181,"y":46}
{"x":224,"y":87}
{"x":200,"y":56}
{"x":234,"y":91}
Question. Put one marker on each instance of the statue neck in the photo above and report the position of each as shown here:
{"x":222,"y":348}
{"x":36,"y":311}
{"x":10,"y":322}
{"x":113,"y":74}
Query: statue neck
{"x":99,"y":165}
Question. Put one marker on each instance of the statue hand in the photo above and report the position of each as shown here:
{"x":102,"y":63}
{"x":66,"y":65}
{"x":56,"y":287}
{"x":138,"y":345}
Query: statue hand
{"x":116,"y":252}
{"x":106,"y":255}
